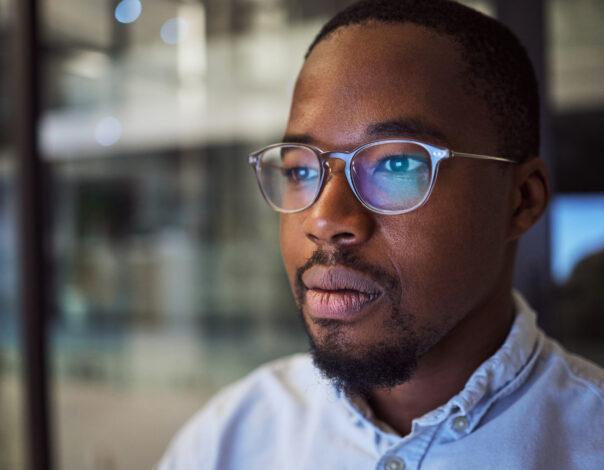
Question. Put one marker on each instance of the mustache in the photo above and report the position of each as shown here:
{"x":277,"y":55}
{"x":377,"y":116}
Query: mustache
{"x":347,"y":259}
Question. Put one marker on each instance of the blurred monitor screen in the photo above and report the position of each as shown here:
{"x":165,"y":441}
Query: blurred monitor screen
{"x":577,"y":224}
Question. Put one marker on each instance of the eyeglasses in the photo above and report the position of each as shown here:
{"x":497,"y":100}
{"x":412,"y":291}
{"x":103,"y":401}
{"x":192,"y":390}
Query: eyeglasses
{"x":388,"y":176}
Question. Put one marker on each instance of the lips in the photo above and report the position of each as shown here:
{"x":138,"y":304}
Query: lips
{"x":338,"y":293}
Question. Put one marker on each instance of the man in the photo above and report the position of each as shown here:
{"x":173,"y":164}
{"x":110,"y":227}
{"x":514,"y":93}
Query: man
{"x":409,"y":173}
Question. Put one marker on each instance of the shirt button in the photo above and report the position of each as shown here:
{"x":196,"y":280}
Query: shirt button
{"x":460,"y":423}
{"x":394,"y":464}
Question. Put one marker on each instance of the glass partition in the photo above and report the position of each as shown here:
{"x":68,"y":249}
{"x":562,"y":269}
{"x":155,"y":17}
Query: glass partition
{"x":167,"y":276}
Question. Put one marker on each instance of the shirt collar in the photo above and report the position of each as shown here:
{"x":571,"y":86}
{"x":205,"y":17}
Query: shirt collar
{"x":499,"y":375}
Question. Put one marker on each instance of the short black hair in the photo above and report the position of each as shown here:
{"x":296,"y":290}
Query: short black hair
{"x":498,"y":67}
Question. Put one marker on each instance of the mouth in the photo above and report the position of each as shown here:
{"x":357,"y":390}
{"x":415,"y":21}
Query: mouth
{"x":338,"y":293}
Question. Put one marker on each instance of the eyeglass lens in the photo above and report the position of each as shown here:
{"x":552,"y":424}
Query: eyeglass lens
{"x":389,"y":176}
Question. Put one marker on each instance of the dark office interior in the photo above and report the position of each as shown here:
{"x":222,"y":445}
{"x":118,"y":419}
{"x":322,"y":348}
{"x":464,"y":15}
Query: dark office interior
{"x":141,"y":269}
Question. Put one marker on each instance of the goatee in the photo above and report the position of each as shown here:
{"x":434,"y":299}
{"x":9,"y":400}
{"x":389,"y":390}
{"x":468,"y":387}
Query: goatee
{"x":358,"y":369}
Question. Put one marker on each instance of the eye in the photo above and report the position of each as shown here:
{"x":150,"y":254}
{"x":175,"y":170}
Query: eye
{"x":399,"y":164}
{"x":300,"y":174}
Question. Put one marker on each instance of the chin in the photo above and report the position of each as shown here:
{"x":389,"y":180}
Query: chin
{"x":358,"y":363}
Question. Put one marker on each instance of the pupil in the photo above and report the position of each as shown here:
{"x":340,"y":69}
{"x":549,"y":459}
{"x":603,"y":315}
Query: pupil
{"x":399,"y":164}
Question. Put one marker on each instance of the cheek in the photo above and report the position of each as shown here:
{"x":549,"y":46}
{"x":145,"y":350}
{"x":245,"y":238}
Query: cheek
{"x":448,"y":254}
{"x":292,"y":241}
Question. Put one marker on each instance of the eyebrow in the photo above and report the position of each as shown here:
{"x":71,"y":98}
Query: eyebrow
{"x":404,"y":127}
{"x":298,"y":139}
{"x":407,"y":127}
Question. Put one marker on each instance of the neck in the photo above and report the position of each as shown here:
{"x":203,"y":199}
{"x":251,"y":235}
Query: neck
{"x":444,"y":370}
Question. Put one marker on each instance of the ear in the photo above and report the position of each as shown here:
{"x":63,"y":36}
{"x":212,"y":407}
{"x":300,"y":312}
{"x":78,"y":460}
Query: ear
{"x":530,"y":195}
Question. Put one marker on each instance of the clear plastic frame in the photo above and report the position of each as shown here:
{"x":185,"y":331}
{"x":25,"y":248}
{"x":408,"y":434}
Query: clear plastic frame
{"x":393,"y":176}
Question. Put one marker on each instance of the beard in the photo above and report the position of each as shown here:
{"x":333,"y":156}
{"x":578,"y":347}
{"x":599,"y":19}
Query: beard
{"x":355,"y":368}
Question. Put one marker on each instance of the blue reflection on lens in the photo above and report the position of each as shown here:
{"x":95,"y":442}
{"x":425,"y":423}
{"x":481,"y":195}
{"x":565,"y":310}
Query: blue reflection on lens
{"x":108,"y":131}
{"x":128,"y":11}
{"x":174,"y":30}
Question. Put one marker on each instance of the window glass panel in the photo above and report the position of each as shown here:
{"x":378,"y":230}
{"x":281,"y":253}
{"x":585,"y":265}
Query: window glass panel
{"x":167,"y":276}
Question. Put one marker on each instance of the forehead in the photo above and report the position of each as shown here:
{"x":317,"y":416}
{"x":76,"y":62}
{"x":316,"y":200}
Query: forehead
{"x":366,"y":74}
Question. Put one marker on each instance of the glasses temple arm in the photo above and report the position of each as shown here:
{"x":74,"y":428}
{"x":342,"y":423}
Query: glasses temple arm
{"x":482,"y":157}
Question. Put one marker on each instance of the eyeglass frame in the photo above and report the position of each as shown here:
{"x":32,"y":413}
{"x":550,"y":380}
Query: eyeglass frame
{"x":436,"y":153}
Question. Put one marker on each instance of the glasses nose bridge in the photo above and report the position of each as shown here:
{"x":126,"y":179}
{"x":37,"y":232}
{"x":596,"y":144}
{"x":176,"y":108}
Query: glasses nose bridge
{"x":326,"y":162}
{"x":345,"y":156}
{"x":325,"y":158}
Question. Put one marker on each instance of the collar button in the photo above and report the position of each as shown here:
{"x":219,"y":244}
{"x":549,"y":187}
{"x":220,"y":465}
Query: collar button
{"x":460,"y":423}
{"x":394,"y":463}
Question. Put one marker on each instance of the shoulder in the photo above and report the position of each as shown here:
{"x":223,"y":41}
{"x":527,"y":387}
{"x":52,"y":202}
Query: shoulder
{"x":549,"y":415}
{"x":279,"y":394}
{"x":571,"y":371}
{"x":291,"y":380}
{"x":564,"y":402}
{"x":567,"y":402}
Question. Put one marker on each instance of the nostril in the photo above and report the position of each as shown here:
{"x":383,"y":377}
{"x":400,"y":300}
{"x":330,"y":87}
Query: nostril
{"x":337,"y":216}
{"x":343,"y":237}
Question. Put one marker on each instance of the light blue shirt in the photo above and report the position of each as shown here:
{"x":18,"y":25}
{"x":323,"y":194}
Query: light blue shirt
{"x":531,"y":405}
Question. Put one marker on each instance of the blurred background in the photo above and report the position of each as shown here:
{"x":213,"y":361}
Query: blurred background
{"x":161,"y":259}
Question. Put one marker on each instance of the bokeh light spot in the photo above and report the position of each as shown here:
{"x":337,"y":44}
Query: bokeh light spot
{"x":108,"y":131}
{"x":174,"y":30}
{"x":128,"y":11}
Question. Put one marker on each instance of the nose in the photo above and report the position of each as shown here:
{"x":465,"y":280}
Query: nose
{"x":337,"y":218}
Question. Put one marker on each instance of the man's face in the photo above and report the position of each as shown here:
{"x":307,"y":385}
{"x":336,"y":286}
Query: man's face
{"x":377,"y":292}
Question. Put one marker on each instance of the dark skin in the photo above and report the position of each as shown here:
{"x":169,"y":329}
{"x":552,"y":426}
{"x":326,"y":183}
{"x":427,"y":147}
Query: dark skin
{"x":454,"y":255}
